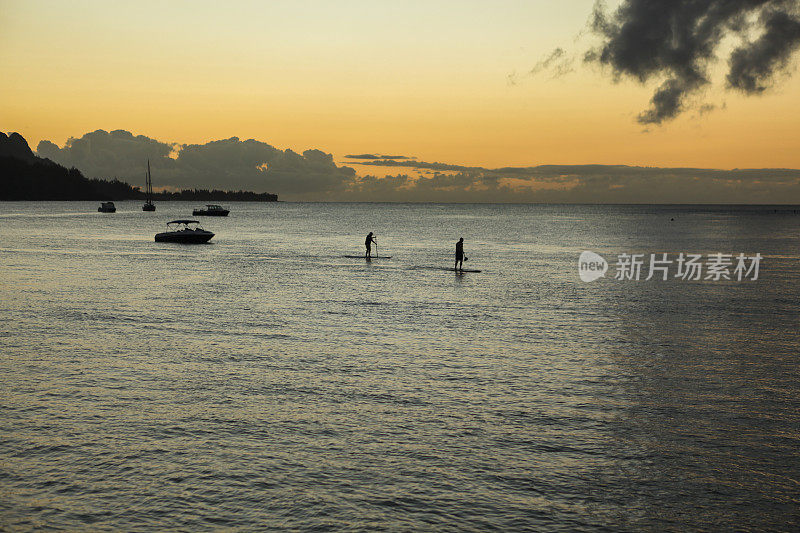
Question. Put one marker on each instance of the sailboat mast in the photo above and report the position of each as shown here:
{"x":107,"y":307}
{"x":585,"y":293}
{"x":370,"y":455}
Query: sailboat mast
{"x":148,"y":191}
{"x":149,"y":183}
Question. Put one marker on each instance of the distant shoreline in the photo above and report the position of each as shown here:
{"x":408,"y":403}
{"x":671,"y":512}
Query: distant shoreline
{"x":794,"y":208}
{"x":194,"y":195}
{"x":27,"y":177}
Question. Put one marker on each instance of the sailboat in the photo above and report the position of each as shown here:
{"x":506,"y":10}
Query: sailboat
{"x":148,"y":205}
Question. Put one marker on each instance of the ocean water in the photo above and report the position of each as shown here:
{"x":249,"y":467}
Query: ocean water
{"x":264,"y":382}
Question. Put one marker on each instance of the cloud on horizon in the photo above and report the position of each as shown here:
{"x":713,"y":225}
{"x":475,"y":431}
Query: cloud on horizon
{"x":377,"y":156}
{"x":579,"y":184}
{"x":227,"y":163}
{"x":314,"y":176}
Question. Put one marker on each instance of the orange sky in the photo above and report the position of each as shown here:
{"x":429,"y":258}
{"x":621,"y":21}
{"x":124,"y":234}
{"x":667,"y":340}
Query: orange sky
{"x":425,"y":79}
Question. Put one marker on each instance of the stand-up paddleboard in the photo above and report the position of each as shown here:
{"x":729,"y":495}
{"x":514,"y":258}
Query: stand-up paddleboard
{"x":364,"y":257}
{"x":446,"y":269}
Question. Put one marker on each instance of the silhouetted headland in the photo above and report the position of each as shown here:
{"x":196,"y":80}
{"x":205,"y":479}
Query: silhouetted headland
{"x":25,"y":176}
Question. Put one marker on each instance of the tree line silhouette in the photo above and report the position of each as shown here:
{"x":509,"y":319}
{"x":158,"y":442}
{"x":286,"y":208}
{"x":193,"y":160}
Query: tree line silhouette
{"x":214,"y":195}
{"x":44,"y":180}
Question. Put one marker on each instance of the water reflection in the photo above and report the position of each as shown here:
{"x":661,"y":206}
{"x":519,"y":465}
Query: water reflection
{"x":268,"y":382}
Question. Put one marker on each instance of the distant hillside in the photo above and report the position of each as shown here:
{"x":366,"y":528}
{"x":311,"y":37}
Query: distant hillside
{"x":24,"y":176}
{"x":16,"y":146}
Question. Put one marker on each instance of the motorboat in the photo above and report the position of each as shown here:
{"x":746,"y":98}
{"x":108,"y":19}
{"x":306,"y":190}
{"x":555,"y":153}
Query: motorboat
{"x":107,"y":207}
{"x":185,"y":232}
{"x":211,"y":210}
{"x":148,"y":204}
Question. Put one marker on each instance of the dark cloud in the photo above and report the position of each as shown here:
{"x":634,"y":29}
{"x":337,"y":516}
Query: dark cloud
{"x":228,"y":163}
{"x":413,"y":164}
{"x":753,"y":67}
{"x":363,"y":156}
{"x":377,"y":156}
{"x":708,"y":108}
{"x":676,"y":41}
{"x":557,"y":63}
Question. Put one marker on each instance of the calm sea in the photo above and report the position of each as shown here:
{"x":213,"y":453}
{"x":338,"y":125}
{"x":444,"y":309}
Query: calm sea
{"x":264,"y":381}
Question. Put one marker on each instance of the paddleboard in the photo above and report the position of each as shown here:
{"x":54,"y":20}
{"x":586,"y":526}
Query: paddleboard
{"x":445,"y":269}
{"x":363,"y":257}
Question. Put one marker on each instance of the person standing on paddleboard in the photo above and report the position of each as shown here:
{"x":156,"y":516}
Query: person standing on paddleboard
{"x":459,"y":255}
{"x":368,"y":244}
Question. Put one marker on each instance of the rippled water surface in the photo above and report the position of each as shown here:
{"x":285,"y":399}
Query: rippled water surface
{"x":263,"y":381}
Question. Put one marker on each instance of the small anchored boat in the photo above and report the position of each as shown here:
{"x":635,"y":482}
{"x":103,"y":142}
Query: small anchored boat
{"x":184,"y":232}
{"x":211,"y":210}
{"x":107,"y":207}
